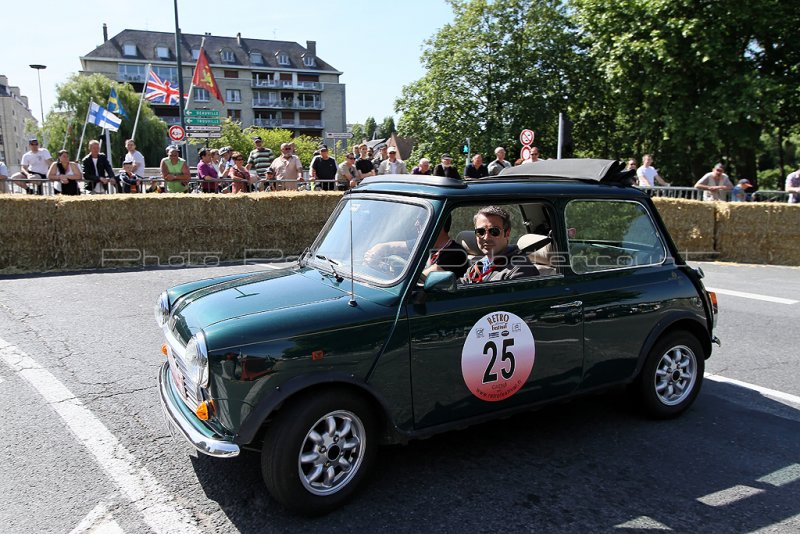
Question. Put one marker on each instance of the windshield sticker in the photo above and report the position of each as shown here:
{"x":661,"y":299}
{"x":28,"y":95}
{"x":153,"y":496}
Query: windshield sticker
{"x":497,"y":357}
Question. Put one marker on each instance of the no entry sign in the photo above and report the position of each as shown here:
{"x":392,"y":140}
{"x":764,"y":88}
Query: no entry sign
{"x":176,"y":132}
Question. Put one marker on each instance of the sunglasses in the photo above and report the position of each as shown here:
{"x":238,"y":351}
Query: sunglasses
{"x":493,"y":231}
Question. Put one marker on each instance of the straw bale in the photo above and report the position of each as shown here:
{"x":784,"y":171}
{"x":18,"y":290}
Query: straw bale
{"x":27,"y":233}
{"x":691,"y":225}
{"x":759,"y":232}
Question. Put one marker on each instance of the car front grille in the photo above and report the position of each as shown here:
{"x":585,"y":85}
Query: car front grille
{"x":188,"y":391}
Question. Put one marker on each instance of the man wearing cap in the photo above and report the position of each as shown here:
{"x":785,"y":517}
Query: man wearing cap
{"x":446,"y":169}
{"x":260,"y":158}
{"x":35,"y":164}
{"x":714,"y":183}
{"x":225,"y":161}
{"x":392,"y":165}
{"x":792,"y":187}
{"x":288,"y":169}
{"x":499,"y":163}
{"x":739,"y":193}
{"x":323,"y":169}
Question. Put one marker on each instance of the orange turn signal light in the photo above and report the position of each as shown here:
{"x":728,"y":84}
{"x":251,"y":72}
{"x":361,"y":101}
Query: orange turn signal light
{"x":164,"y":349}
{"x":713,"y":297}
{"x":205,"y":409}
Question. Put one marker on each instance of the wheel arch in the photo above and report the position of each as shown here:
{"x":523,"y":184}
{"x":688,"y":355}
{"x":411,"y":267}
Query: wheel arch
{"x":688,"y":323}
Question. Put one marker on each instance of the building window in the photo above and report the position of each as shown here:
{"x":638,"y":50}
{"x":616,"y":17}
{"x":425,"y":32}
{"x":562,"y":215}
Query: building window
{"x":230,"y":73}
{"x":227,"y":56}
{"x":167,"y":73}
{"x":309,"y":61}
{"x":233,"y":95}
{"x":256,"y":58}
{"x":195,"y":53}
{"x":129,"y":49}
{"x":235,"y":115}
{"x":283,"y":58}
{"x":162,"y":52}
{"x":130,"y":73}
{"x":201,"y":95}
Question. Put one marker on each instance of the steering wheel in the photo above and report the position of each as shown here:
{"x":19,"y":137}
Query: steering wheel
{"x":392,"y":264}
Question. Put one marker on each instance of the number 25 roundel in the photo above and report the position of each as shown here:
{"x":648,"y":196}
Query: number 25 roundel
{"x":497,"y":357}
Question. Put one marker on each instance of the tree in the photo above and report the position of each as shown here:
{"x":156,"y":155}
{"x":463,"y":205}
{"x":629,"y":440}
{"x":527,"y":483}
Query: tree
{"x":69,"y":113}
{"x":242,"y":140}
{"x":386,"y":128}
{"x":370,"y":128}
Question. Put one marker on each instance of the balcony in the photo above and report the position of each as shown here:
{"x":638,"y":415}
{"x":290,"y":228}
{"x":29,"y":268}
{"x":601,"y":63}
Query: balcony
{"x":171,"y":120}
{"x":287,"y":104}
{"x":285,"y":84}
{"x":137,"y":78}
{"x":266,"y":123}
{"x":312,"y":124}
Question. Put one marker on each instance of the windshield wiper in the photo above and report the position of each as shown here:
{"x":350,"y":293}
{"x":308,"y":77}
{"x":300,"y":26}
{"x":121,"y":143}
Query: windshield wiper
{"x":332,"y":264}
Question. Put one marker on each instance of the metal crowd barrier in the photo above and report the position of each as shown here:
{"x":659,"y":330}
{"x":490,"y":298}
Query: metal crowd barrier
{"x":674,"y":192}
{"x":766,"y":195}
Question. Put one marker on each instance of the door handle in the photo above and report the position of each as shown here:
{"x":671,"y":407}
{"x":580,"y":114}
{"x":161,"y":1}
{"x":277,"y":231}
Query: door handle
{"x":573,"y":304}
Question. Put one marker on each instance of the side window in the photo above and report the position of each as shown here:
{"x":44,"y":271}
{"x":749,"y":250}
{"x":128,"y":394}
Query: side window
{"x":609,"y":234}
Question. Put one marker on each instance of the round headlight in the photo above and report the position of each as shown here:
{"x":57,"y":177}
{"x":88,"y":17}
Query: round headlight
{"x":161,"y":310}
{"x":196,"y":359}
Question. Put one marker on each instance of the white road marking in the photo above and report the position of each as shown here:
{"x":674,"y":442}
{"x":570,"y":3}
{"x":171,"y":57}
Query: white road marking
{"x":774,"y":394}
{"x":754,"y":296}
{"x":156,"y":506}
{"x":729,"y":495}
{"x":790,"y":524}
{"x":643,"y":523}
{"x":781,"y":477}
{"x":98,"y":520}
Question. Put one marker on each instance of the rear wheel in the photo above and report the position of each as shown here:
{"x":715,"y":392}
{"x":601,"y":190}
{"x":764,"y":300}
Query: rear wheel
{"x":318,"y":450}
{"x":672,"y":375}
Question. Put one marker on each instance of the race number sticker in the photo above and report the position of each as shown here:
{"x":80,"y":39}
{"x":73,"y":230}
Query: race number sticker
{"x":498,"y":355}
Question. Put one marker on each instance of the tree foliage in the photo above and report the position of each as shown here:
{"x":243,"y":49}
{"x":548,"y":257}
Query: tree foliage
{"x":69,"y":114}
{"x":242,"y":140}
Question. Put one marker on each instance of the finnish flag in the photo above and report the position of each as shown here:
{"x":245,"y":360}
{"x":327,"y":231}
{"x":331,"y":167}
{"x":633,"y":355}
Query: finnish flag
{"x":103,"y":118}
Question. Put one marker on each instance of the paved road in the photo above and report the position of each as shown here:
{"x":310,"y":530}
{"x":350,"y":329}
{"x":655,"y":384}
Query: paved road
{"x":731,"y":464}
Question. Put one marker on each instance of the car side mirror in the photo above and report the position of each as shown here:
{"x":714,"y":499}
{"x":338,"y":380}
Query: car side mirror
{"x":444,"y":281}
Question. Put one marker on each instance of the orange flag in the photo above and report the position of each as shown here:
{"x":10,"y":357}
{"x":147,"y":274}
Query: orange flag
{"x":204,"y":78}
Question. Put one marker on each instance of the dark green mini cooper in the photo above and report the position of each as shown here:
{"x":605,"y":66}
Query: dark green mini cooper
{"x":429,"y":303}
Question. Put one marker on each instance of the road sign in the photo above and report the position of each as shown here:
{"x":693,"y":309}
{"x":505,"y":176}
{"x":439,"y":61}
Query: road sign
{"x":210,"y":121}
{"x":204,"y":134}
{"x":176,"y":132}
{"x":525,"y":153}
{"x":338,"y":135}
{"x":202,"y":113}
{"x":526,"y":137}
{"x":203,"y":128}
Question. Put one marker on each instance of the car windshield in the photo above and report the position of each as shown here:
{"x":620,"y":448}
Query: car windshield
{"x":385,"y":235}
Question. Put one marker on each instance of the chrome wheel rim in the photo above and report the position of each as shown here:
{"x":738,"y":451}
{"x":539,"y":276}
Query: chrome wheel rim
{"x":676,"y":375}
{"x":332,"y":452}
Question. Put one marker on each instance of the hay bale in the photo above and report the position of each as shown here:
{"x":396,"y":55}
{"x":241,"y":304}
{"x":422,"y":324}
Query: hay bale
{"x":691,"y":224}
{"x":28,"y":234}
{"x":759,"y":232}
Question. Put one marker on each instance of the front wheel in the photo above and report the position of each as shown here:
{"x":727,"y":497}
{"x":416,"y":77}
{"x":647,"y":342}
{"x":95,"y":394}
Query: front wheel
{"x":672,"y":375}
{"x":318,"y":450}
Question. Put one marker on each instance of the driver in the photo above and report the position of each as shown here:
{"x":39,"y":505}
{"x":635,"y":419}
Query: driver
{"x":501,"y":261}
{"x":446,"y":254}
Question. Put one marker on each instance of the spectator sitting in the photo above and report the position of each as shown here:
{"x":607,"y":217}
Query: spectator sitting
{"x":97,"y":170}
{"x":714,"y":183}
{"x":739,"y":193}
{"x":446,"y":169}
{"x":476,"y":170}
{"x":424,"y":167}
{"x":130,"y":182}
{"x":35,"y":166}
{"x":67,"y":173}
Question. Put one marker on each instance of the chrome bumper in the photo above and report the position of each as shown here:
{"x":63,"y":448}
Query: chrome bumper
{"x":183,"y":422}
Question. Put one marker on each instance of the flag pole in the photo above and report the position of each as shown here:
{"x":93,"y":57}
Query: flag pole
{"x":191,"y":86}
{"x":141,"y":100}
{"x":108,"y":145}
{"x":86,"y":120}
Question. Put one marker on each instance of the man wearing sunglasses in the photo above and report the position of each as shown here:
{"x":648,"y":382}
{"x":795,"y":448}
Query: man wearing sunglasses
{"x":502,"y":260}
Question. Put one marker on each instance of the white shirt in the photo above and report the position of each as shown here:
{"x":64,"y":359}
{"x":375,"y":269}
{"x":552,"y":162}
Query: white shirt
{"x":138,"y":161}
{"x":647,"y":175}
{"x":37,"y":161}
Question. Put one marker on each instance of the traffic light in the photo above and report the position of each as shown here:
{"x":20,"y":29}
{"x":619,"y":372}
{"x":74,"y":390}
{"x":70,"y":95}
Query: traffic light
{"x":465,"y":148}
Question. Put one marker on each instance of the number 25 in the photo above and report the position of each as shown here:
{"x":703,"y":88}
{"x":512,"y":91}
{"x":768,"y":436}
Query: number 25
{"x":488,"y":375}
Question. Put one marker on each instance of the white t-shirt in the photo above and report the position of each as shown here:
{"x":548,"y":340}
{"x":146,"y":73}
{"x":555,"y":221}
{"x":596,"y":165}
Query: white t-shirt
{"x":37,"y":162}
{"x":647,"y":175}
{"x":138,"y":161}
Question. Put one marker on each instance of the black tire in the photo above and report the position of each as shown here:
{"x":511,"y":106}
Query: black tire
{"x":672,"y":375}
{"x":295,"y":463}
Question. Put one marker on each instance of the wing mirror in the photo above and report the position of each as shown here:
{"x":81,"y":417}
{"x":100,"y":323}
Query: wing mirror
{"x":444,"y":281}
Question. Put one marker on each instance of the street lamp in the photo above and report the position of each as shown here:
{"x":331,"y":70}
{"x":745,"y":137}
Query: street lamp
{"x":39,"y":75}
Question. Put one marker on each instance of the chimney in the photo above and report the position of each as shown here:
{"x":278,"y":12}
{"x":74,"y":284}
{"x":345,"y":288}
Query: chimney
{"x":239,"y":39}
{"x":311,"y":46}
{"x":105,"y":32}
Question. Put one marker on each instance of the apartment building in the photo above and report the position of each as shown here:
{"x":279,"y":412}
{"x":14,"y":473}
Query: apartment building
{"x":14,"y":111}
{"x":272,"y":84}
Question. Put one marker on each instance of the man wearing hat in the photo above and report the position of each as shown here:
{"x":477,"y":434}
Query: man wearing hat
{"x":35,"y":164}
{"x":225,"y":161}
{"x":446,"y":169}
{"x":714,"y":183}
{"x":260,"y":158}
{"x":323,"y":169}
{"x":392,"y":165}
{"x":739,"y":193}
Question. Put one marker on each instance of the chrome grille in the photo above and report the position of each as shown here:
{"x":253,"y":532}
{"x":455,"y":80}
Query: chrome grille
{"x":188,"y":391}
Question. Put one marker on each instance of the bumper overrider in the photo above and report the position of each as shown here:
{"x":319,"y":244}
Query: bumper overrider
{"x":184,"y":422}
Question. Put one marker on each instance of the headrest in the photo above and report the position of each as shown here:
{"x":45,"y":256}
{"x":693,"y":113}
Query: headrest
{"x":530,"y":242}
{"x":468,"y":241}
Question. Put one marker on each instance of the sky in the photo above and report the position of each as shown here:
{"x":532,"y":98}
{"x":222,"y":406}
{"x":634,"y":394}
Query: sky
{"x":377,"y":48}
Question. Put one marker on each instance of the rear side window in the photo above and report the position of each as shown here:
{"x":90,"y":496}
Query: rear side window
{"x":605,"y":235}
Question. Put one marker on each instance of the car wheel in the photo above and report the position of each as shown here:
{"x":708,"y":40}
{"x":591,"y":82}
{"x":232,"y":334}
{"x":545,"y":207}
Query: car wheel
{"x":672,"y":375}
{"x":318,"y":450}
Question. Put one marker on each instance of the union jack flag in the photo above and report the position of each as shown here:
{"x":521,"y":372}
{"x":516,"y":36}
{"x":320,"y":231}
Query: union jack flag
{"x":160,"y":91}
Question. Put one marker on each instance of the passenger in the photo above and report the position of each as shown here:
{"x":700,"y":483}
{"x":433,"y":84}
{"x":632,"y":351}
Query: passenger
{"x":502,"y":261}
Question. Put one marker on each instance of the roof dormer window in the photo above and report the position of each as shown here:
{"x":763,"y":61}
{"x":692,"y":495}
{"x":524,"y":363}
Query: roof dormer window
{"x":195,"y":53}
{"x":162,"y":52}
{"x":227,"y":56}
{"x":129,"y":50}
{"x":309,"y":61}
{"x":256,"y":58}
{"x":283,"y":58}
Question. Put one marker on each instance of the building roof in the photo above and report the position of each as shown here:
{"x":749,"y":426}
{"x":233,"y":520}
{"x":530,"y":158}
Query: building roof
{"x":146,"y":43}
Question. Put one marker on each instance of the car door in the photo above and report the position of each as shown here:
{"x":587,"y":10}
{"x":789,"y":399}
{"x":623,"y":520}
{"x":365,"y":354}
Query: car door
{"x":493,"y":346}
